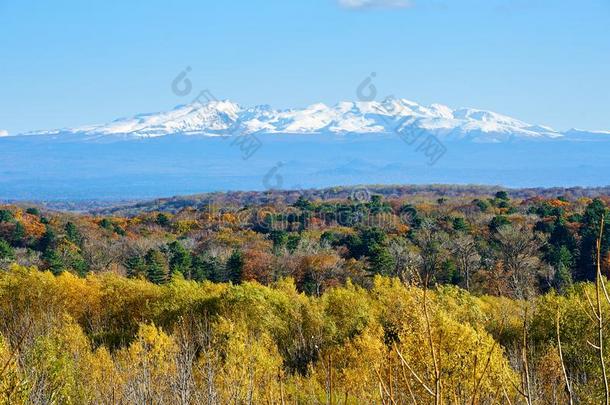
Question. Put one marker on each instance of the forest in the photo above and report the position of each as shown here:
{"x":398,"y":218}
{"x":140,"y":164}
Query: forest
{"x":353,"y":298}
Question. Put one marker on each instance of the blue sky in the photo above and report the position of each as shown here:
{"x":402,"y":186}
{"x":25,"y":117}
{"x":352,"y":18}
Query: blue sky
{"x":69,"y":63}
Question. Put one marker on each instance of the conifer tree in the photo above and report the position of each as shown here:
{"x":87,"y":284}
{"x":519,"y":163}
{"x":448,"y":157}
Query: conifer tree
{"x":180,"y":260}
{"x":235,"y":267}
{"x":156,"y":267}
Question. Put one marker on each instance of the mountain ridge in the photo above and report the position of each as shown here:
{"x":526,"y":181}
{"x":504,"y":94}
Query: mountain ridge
{"x":392,"y":115}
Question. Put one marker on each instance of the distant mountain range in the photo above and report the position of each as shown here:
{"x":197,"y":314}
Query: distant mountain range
{"x":220,"y":118}
{"x":220,"y":146}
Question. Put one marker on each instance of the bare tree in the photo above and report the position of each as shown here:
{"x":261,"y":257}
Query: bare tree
{"x":464,"y":249}
{"x":432,"y":245}
{"x":207,"y":366}
{"x":183,"y":382}
{"x":406,"y":260}
{"x":518,"y":250}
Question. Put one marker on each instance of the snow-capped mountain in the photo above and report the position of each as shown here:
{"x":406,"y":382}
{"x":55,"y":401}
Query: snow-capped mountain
{"x":186,"y":150}
{"x":221,"y":118}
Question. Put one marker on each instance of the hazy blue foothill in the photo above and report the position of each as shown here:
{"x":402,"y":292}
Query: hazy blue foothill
{"x":55,"y":168}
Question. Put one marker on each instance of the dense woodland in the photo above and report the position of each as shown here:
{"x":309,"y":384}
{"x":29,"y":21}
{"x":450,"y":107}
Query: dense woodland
{"x":357,"y":298}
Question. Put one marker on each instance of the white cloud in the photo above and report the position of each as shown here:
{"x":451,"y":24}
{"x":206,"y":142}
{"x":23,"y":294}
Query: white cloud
{"x":3,"y":132}
{"x":375,"y":3}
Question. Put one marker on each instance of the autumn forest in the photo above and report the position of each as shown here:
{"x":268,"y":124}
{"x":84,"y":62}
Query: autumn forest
{"x":362,"y":298}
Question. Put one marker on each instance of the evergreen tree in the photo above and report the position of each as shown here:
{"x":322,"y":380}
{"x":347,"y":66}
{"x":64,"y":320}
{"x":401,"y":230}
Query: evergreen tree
{"x":370,"y":238}
{"x":18,"y":235}
{"x":162,"y":219}
{"x":207,"y":267}
{"x":180,"y":260}
{"x":235,"y":267}
{"x":497,"y":222}
{"x":48,"y":240}
{"x":279,"y":238}
{"x":6,"y":251}
{"x":450,"y":273}
{"x":562,"y":261}
{"x":589,"y":233}
{"x":303,"y":204}
{"x":53,"y":261}
{"x":73,"y":234}
{"x":33,"y":211}
{"x":136,"y":266}
{"x":459,"y":224}
{"x":376,"y":205}
{"x":380,"y":260}
{"x":6,"y":216}
{"x":293,"y":242}
{"x":79,"y":265}
{"x":502,"y":195}
{"x":107,"y":224}
{"x":331,"y":239}
{"x":156,"y":267}
{"x":481,"y":204}
{"x":562,"y":253}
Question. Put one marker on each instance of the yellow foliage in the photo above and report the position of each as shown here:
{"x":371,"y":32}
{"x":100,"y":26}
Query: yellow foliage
{"x":146,"y":366}
{"x":186,"y":225}
{"x":31,"y":223}
{"x":105,"y":339}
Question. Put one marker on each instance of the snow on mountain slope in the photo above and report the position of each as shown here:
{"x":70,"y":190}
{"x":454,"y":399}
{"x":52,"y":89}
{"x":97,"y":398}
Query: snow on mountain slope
{"x":214,"y":116}
{"x":218,"y":118}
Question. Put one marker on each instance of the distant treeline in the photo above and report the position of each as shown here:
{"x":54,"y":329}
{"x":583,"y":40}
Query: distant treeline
{"x":174,"y":204}
{"x":432,"y":191}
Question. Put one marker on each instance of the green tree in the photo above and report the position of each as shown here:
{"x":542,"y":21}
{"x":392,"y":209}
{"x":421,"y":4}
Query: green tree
{"x":303,"y":203}
{"x":206,"y":267}
{"x":73,"y":234}
{"x":33,"y":211}
{"x":279,"y":238}
{"x":136,"y":266}
{"x":502,"y":195}
{"x":48,"y":240}
{"x":6,"y":251}
{"x":376,"y":205}
{"x":79,"y":265}
{"x":6,"y":216}
{"x":235,"y":267}
{"x":380,"y":260}
{"x":53,"y":261}
{"x":162,"y":219}
{"x":180,"y":260}
{"x":450,"y":273}
{"x":293,"y":242}
{"x":481,"y":204}
{"x":589,"y":233}
{"x":497,"y":222}
{"x":459,"y":224}
{"x":107,"y":224}
{"x":18,"y":235}
{"x":156,"y":267}
{"x":371,"y":237}
{"x":562,"y":261}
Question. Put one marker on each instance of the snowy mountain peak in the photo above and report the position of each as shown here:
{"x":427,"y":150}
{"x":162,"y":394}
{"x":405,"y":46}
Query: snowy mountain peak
{"x":218,"y":118}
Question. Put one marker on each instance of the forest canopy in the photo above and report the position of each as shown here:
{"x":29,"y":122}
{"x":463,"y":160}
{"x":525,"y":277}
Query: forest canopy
{"x":472,"y":299}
